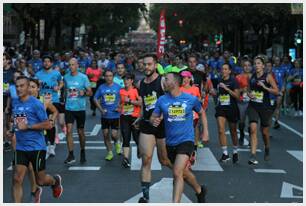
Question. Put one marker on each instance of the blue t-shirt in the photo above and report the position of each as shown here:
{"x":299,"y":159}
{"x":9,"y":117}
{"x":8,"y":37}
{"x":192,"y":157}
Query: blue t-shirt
{"x":280,"y":74}
{"x":73,"y":85}
{"x":110,"y":99}
{"x":215,"y":65}
{"x":32,"y":111}
{"x":49,"y":81}
{"x":13,"y":91}
{"x":84,"y":63}
{"x":178,"y":116}
{"x":37,"y":64}
{"x":238,"y":70}
{"x":111,"y":65}
{"x":118,"y":80}
{"x":287,"y":68}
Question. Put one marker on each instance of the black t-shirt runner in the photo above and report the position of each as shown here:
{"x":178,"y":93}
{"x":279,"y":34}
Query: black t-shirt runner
{"x":262,"y":96}
{"x":225,"y":99}
{"x":149,"y":94}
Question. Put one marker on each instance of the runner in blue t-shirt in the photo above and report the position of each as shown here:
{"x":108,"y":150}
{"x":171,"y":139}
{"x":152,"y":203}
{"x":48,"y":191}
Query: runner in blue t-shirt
{"x":30,"y":119}
{"x":109,"y":106}
{"x":280,"y":74}
{"x":77,"y":87}
{"x":118,"y":78}
{"x":176,"y":108}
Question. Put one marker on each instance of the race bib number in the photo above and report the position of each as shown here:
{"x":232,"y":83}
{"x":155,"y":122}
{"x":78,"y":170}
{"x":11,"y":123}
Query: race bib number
{"x":176,"y":113}
{"x":225,"y":99}
{"x":109,"y":98}
{"x":6,"y":87}
{"x":258,"y":96}
{"x":128,"y":109}
{"x":150,"y":101}
{"x":93,"y":84}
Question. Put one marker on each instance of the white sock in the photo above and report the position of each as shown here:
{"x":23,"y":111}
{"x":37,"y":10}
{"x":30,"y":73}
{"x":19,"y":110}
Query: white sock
{"x":235,"y":149}
{"x":224,"y":149}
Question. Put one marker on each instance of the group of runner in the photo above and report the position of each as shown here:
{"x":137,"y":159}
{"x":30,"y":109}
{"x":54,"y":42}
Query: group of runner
{"x":158,"y":103}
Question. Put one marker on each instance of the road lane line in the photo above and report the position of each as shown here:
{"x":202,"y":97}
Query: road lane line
{"x":84,"y":168}
{"x":96,"y":130}
{"x":274,"y":171}
{"x":289,"y":128}
{"x":247,"y":150}
{"x":95,"y":147}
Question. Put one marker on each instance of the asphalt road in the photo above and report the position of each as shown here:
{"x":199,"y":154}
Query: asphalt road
{"x":278,"y":181}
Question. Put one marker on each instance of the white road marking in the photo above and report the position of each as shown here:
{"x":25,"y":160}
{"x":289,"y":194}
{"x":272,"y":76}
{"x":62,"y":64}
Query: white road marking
{"x":247,"y":150}
{"x":95,"y":147}
{"x":206,"y":161}
{"x":92,"y":142}
{"x":274,"y":171}
{"x":96,"y":130}
{"x":287,"y":191}
{"x":136,"y":163}
{"x":290,"y":128}
{"x":10,"y":168}
{"x":160,"y":192}
{"x":297,"y":154}
{"x":84,"y":168}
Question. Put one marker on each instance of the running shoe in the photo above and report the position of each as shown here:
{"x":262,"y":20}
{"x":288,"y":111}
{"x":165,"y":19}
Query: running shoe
{"x":224,"y":158}
{"x":70,"y":159}
{"x":82,"y":157}
{"x":118,"y":148}
{"x":252,"y":160}
{"x":109,"y":156}
{"x":267,"y":154}
{"x":35,"y":196}
{"x":235,"y":158}
{"x":200,"y":144}
{"x":202,"y":195}
{"x":126,"y":163}
{"x":57,"y":188}
{"x":143,"y":200}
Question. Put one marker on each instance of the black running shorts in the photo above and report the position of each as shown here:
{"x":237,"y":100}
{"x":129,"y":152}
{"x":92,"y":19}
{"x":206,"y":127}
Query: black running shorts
{"x":79,"y":116}
{"x":60,"y":107}
{"x":231,"y":115}
{"x":257,"y":113}
{"x":110,"y":123}
{"x":37,"y":158}
{"x":147,"y":128}
{"x":182,"y":148}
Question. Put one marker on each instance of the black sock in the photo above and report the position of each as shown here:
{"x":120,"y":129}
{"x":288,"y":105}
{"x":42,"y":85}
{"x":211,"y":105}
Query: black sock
{"x":83,"y":151}
{"x":71,"y":153}
{"x":195,"y":148}
{"x":145,"y":186}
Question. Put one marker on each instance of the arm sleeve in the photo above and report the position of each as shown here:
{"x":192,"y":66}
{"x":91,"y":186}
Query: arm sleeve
{"x":87,"y":83}
{"x":98,"y":93}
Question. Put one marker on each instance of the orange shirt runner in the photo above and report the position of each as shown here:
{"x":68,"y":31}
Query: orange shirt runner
{"x":128,"y":108}
{"x":194,"y":91}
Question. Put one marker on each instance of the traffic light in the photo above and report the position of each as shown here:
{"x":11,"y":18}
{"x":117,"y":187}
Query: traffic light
{"x":298,"y":36}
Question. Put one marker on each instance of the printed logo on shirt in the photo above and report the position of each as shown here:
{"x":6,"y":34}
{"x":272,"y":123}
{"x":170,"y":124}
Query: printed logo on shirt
{"x":177,"y":112}
{"x":73,"y":92}
{"x":20,"y":118}
{"x":150,"y":101}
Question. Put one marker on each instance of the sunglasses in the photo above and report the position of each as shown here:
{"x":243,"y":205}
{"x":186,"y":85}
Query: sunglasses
{"x":72,"y":90}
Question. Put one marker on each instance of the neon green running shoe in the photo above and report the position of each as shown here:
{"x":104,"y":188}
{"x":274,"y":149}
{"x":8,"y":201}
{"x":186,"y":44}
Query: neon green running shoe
{"x":200,"y":145}
{"x":118,"y":148}
{"x":109,"y":156}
